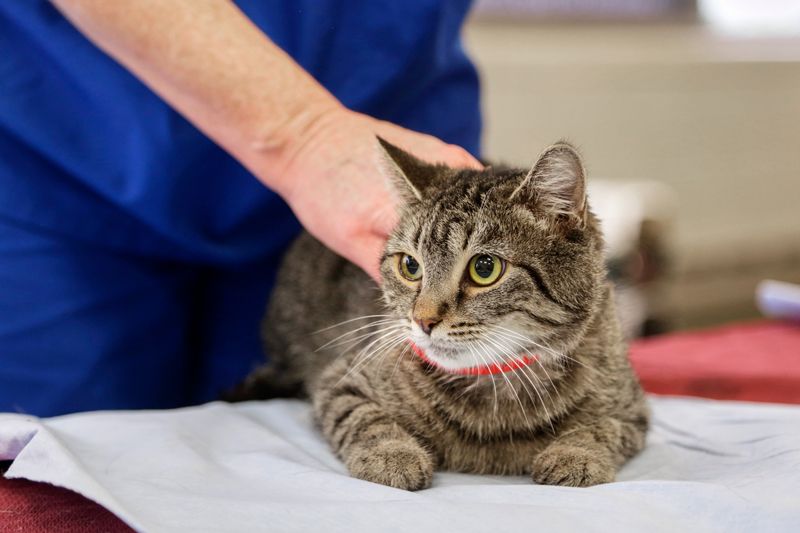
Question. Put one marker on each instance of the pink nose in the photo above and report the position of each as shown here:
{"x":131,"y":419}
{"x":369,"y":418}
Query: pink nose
{"x":427,"y":324}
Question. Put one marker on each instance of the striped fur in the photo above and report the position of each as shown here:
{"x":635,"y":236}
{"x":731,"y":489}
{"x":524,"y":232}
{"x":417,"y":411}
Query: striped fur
{"x":571,"y":419}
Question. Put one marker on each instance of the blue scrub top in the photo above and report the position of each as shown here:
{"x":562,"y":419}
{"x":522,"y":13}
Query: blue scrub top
{"x":89,"y":153}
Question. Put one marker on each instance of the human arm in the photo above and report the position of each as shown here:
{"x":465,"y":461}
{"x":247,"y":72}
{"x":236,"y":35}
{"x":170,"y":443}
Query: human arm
{"x":214,"y":66}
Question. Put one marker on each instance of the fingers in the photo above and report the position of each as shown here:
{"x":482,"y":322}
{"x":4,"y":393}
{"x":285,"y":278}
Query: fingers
{"x":463,"y":159}
{"x":451,"y":155}
{"x":426,"y":147}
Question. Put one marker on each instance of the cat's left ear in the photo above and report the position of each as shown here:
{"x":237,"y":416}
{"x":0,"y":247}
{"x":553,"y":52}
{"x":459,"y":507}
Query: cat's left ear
{"x":556,"y":184}
{"x":408,"y":175}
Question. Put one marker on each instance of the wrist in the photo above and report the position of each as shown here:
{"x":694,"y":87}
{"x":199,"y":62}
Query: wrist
{"x":300,"y":139}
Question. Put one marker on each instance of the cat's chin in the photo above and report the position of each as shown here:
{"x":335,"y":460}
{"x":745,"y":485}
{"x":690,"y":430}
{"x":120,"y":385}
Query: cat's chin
{"x":444,"y":356}
{"x":468,"y":363}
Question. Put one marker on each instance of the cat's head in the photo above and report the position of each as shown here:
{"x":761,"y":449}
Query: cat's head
{"x":492,"y":267}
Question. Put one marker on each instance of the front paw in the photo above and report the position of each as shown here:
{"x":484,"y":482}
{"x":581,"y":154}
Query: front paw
{"x":402,"y":464}
{"x":571,"y":466}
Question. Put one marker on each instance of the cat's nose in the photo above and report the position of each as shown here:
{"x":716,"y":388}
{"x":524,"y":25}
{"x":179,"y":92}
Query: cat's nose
{"x":427,"y":324}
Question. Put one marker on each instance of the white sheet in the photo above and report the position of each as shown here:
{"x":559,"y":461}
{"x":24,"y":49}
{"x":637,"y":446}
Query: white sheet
{"x":708,"y":466}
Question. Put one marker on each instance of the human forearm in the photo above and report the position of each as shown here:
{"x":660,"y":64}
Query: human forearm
{"x":208,"y":61}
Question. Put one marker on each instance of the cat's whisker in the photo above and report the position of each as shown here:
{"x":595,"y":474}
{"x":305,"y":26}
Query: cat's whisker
{"x":511,"y":386}
{"x":562,"y":358}
{"x":353,"y":370}
{"x":550,"y":380}
{"x":367,"y":350}
{"x":566,"y":358}
{"x":511,"y":336}
{"x":525,"y":338}
{"x":343,"y":322}
{"x":547,"y":391}
{"x":494,"y":384}
{"x":354,"y":340}
{"x":467,"y":384}
{"x":451,"y":378}
{"x":384,"y":351}
{"x":559,"y":356}
{"x":376,"y":339}
{"x":406,"y":349}
{"x":368,"y":353}
{"x":387,"y":351}
{"x":512,"y":332}
{"x":348,"y":350}
{"x":375,"y":323}
{"x":526,"y":351}
{"x":506,"y":352}
{"x":525,"y":371}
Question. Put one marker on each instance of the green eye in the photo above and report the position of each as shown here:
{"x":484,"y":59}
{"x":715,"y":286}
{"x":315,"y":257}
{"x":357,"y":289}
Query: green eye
{"x":409,"y":268}
{"x":485,"y":269}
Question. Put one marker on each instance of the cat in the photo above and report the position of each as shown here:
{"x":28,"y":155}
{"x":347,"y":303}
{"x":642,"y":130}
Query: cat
{"x":492,"y":346}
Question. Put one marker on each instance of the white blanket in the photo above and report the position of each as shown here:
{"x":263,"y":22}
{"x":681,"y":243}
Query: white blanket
{"x":708,"y":466}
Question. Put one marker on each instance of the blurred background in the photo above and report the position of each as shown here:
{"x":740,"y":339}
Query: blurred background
{"x":688,"y":115}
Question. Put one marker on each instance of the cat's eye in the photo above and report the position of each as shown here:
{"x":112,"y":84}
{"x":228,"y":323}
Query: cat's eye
{"x":409,"y":268}
{"x":485,"y":269}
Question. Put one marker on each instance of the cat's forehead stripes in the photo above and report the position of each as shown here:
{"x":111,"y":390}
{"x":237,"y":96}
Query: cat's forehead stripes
{"x":452,"y":215}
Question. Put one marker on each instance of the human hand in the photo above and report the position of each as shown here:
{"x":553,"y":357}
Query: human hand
{"x":333,"y":181}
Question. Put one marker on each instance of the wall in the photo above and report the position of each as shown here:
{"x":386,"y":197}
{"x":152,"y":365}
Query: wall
{"x":716,"y":118}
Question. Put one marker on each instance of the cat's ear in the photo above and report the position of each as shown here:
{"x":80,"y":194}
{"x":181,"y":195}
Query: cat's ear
{"x":557,"y":183}
{"x":408,"y":176}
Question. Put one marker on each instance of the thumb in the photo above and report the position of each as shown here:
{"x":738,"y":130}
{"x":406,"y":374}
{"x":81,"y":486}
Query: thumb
{"x":368,"y":256}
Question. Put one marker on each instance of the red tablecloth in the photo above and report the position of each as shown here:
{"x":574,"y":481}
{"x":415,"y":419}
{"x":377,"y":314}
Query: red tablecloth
{"x":26,"y":507}
{"x":753,"y":362}
{"x":757,"y":362}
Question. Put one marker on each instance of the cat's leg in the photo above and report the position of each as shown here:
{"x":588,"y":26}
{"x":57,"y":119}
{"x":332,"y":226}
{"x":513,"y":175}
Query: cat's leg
{"x":369,"y":440}
{"x":589,"y":452}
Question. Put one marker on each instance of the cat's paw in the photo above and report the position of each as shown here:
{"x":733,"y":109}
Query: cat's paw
{"x":571,"y":466}
{"x":402,"y":464}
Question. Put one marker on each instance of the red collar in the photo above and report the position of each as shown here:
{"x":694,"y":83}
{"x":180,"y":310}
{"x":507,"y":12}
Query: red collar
{"x":483,"y":370}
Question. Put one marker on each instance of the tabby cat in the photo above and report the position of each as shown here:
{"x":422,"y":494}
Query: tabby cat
{"x":494,"y":349}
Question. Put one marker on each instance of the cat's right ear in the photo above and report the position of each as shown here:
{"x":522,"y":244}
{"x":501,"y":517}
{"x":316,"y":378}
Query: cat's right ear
{"x":408,"y":176}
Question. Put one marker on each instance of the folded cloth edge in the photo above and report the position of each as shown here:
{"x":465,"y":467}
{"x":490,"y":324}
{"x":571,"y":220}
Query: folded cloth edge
{"x":31,"y":438}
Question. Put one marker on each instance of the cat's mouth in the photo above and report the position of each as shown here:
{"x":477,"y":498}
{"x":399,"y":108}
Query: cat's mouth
{"x":451,"y":365}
